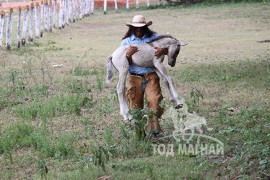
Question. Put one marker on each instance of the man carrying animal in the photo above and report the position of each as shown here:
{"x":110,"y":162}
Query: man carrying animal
{"x":143,"y":80}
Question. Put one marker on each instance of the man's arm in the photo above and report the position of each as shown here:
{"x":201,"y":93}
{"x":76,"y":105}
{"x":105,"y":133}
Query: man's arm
{"x":161,"y":51}
{"x":130,"y":51}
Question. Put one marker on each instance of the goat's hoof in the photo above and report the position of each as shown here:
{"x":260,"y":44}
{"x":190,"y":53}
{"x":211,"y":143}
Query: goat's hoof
{"x":178,"y":106}
{"x":127,"y":122}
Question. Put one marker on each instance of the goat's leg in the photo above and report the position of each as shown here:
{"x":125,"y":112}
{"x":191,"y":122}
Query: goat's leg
{"x":166,"y":84}
{"x":160,"y":67}
{"x":121,"y":96}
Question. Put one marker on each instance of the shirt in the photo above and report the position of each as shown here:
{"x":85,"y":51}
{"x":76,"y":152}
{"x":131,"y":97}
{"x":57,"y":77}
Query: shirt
{"x":131,"y":40}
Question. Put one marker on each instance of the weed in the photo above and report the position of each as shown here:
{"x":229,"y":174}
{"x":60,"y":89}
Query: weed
{"x":54,"y":106}
{"x":106,"y":106}
{"x":53,"y":48}
{"x":63,"y":145}
{"x":17,"y":135}
{"x":41,"y":89}
{"x":100,"y":81}
{"x":140,"y":117}
{"x":3,"y":60}
{"x":42,"y":143}
{"x":125,"y":141}
{"x":250,"y":137}
{"x":42,"y":168}
{"x":149,"y":171}
{"x":79,"y":71}
{"x":114,"y":95}
{"x":5,"y":100}
{"x":110,"y":140}
{"x":223,"y":115}
{"x":101,"y":155}
{"x":13,"y":77}
{"x":195,"y":96}
{"x":50,"y":42}
{"x":88,"y":126}
{"x":76,"y":86}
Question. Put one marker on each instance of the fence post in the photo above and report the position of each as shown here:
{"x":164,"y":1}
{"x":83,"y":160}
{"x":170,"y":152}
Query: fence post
{"x":87,"y":8}
{"x":50,"y":16}
{"x":41,"y":18}
{"x":19,"y":27}
{"x":9,"y":29}
{"x":55,"y":14}
{"x":92,"y":6}
{"x":2,"y":23}
{"x":60,"y":14}
{"x":73,"y":10}
{"x":46,"y":15}
{"x":137,"y":4}
{"x":84,"y":8}
{"x":127,"y":4}
{"x":105,"y":6}
{"x":25,"y":24}
{"x":115,"y":5}
{"x":64,"y":13}
{"x":67,"y":12}
{"x":80,"y":9}
{"x":148,"y":3}
{"x":70,"y":15}
{"x":37,"y":20}
{"x":30,"y":38}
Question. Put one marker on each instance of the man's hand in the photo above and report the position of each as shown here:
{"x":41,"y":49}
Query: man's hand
{"x":161,"y":51}
{"x":131,"y":50}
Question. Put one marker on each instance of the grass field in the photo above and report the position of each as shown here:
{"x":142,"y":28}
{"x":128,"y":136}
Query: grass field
{"x":59,"y":120}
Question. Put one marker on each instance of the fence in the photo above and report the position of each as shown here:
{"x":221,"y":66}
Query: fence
{"x":127,"y":3}
{"x":39,"y":17}
{"x":42,"y":16}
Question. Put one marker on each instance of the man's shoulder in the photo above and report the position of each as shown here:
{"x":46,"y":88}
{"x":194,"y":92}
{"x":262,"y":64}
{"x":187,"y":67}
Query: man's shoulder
{"x":151,"y":38}
{"x":125,"y":41}
{"x":155,"y":34}
{"x":129,"y":40}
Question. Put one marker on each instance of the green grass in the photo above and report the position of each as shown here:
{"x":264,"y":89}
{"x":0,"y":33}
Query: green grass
{"x":119,"y":154}
{"x":64,"y":123}
{"x":254,"y":73}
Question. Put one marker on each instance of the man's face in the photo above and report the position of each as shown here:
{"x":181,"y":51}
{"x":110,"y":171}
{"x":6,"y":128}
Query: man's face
{"x":138,"y":32}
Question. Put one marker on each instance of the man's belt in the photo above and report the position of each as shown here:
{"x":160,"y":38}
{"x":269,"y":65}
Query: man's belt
{"x":135,"y":74}
{"x":142,"y":75}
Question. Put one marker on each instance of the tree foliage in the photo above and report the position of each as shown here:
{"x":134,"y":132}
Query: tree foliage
{"x":212,"y":1}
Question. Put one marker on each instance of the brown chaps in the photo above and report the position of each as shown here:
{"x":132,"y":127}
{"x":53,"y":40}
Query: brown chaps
{"x":150,"y":86}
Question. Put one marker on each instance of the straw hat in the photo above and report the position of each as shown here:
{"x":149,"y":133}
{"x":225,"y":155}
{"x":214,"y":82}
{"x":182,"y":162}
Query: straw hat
{"x":138,"y":21}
